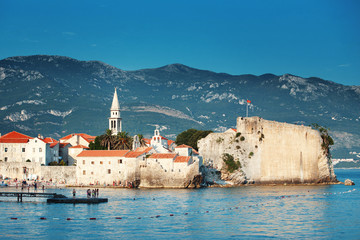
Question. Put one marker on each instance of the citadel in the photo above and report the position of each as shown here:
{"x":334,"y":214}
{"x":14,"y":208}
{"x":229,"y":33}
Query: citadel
{"x":158,"y":164}
{"x":264,"y":151}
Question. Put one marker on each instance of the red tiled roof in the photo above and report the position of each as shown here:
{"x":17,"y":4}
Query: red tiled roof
{"x":85,"y":136}
{"x":170,"y":142}
{"x":103,"y":153}
{"x":50,"y":140}
{"x":132,"y":154}
{"x":234,"y":129}
{"x":181,"y":159}
{"x":143,"y":149}
{"x":183,"y":146}
{"x":62,"y":145}
{"x":195,"y":152}
{"x":53,"y":144}
{"x":147,"y":140}
{"x":80,"y":146}
{"x":14,"y":137}
{"x":163,"y":155}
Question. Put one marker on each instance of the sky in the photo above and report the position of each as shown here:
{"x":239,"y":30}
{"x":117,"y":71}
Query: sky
{"x":316,"y":38}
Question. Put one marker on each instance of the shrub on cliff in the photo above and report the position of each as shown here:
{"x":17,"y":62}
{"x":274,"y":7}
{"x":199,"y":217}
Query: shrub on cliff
{"x":191,"y":136}
{"x":326,"y":138}
{"x":231,"y":164}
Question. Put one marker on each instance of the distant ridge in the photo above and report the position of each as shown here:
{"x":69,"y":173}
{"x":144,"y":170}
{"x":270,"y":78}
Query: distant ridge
{"x":57,"y":95}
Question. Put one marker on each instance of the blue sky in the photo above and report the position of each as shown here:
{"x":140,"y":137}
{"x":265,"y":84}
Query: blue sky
{"x":307,"y":38}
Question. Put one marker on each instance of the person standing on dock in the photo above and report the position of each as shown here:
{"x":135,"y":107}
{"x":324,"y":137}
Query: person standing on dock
{"x":74,"y":193}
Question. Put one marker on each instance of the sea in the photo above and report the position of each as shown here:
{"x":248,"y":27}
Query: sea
{"x":248,"y":212}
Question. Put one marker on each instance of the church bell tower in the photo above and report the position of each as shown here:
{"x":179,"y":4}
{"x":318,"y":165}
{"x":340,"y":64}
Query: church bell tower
{"x":115,"y":119}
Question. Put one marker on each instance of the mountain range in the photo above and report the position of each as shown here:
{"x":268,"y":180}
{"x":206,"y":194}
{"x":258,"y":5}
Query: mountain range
{"x":56,"y":95}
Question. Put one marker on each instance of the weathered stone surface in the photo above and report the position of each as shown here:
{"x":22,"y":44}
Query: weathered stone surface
{"x":58,"y":174}
{"x":270,"y":152}
{"x":348,"y":182}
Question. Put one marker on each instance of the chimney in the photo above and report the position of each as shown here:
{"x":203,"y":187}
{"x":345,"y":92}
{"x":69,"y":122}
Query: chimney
{"x":39,"y":136}
{"x":77,"y":139}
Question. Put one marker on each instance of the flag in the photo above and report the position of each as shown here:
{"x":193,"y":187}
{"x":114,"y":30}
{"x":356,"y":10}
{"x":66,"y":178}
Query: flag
{"x":248,"y":101}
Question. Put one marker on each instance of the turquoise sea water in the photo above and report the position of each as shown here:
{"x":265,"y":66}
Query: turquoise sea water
{"x":256,"y":212}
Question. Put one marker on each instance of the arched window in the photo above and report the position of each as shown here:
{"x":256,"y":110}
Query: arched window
{"x":114,"y":124}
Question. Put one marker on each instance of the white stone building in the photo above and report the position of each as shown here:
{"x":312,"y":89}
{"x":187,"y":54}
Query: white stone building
{"x":17,"y":147}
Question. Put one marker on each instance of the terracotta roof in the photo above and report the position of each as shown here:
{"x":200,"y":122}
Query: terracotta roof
{"x":14,"y":137}
{"x":195,"y":152}
{"x":183,"y":146}
{"x":50,"y":140}
{"x":170,"y":142}
{"x":182,"y":159}
{"x":85,"y":136}
{"x":53,"y":144}
{"x":163,"y":155}
{"x":147,"y":140}
{"x":80,"y":146}
{"x":103,"y":153}
{"x":143,"y":149}
{"x":62,"y":145}
{"x":132,"y":154}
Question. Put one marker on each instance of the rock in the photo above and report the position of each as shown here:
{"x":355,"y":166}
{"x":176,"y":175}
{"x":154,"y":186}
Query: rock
{"x":348,"y":182}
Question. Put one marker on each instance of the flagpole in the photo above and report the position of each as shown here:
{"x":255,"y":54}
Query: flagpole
{"x":247,"y":105}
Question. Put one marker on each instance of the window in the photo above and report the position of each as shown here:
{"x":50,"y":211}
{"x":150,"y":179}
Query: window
{"x":23,"y":149}
{"x":40,"y":159}
{"x":92,"y":162}
{"x":120,"y":161}
{"x":92,"y":173}
{"x":6,"y":149}
{"x":109,"y":171}
{"x":6,"y":159}
{"x":84,"y":172}
{"x":84,"y":162}
{"x":40,"y":149}
{"x":101,"y":162}
{"x":109,"y":162}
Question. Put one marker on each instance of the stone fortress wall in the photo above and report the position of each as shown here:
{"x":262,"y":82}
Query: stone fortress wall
{"x":271,"y":152}
{"x":58,"y":174}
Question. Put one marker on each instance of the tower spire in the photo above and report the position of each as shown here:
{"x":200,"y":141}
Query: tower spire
{"x":115,"y":119}
{"x":115,"y":103}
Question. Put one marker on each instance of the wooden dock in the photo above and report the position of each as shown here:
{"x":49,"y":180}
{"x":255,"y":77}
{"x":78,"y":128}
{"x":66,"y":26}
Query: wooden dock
{"x":20,"y":195}
{"x":77,"y":200}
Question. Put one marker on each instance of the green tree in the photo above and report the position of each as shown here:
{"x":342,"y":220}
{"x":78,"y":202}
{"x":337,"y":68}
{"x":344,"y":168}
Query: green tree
{"x":123,"y":141}
{"x":191,"y":136}
{"x":96,"y":144}
{"x":141,"y":140}
{"x":108,"y":140}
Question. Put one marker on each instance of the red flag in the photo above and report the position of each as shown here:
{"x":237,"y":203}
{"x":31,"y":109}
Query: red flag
{"x":248,"y":101}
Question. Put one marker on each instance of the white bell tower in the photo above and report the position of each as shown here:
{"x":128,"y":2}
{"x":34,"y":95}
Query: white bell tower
{"x":115,"y":119}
